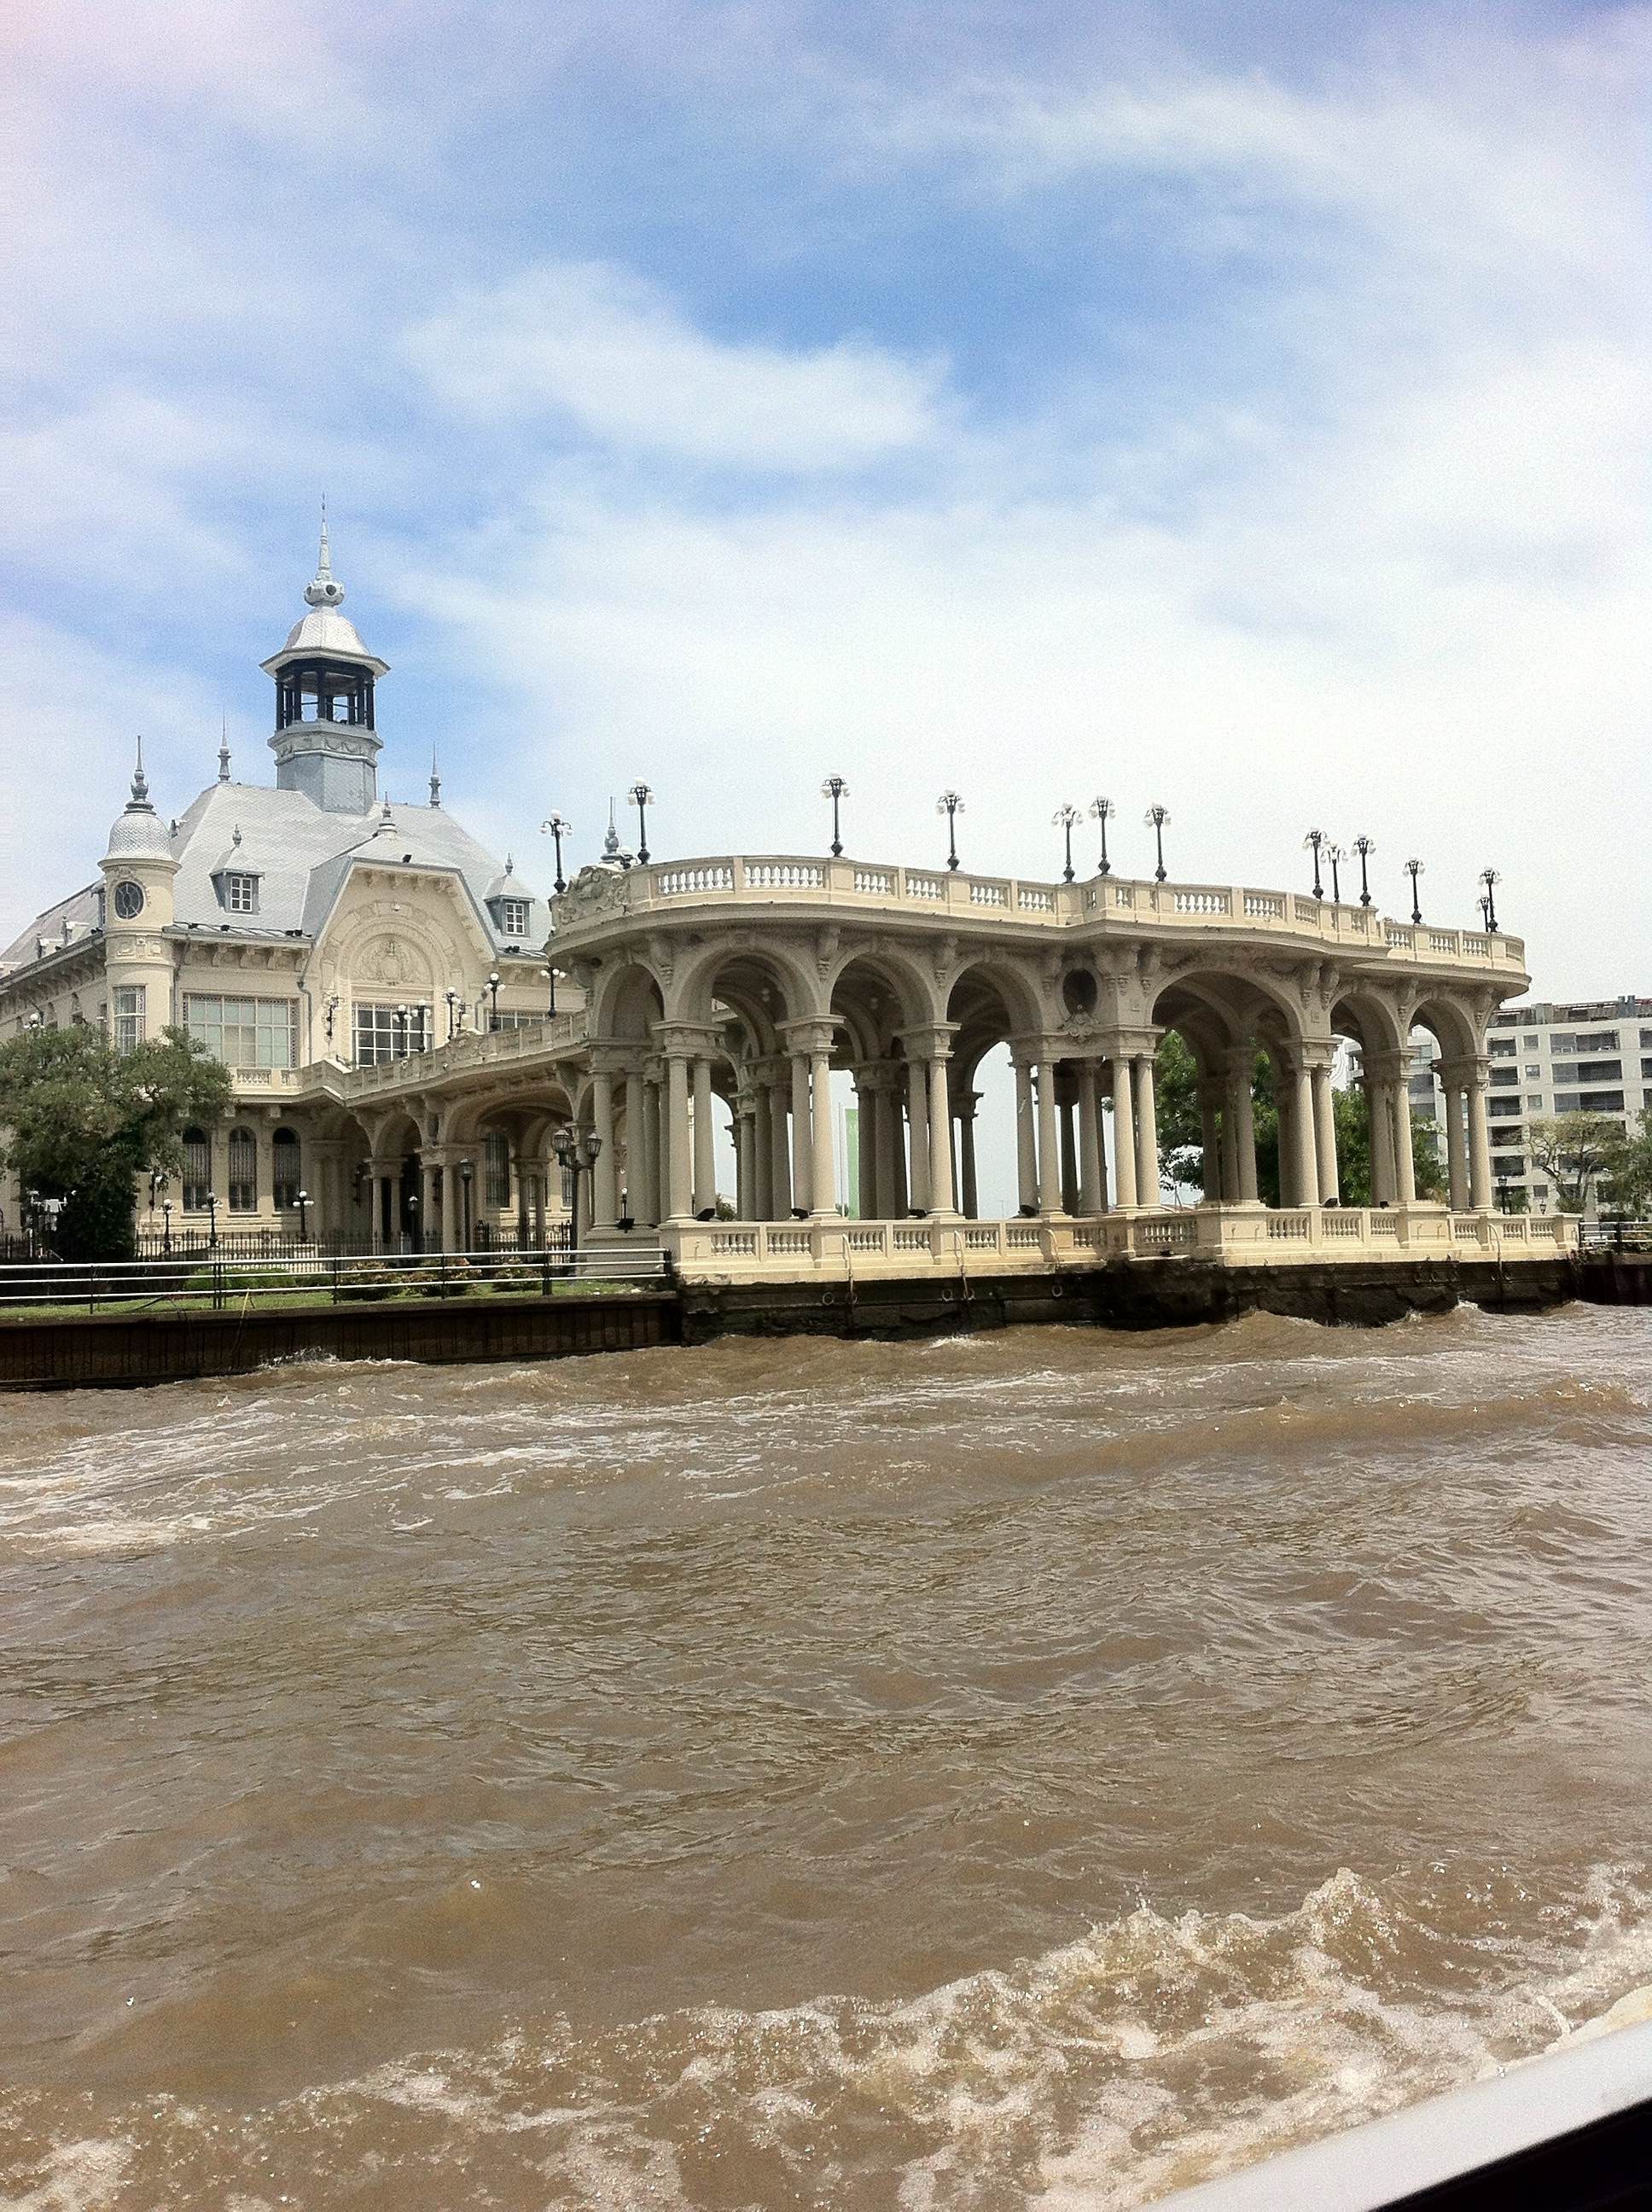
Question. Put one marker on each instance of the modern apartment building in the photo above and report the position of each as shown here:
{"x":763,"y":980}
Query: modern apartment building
{"x":1592,"y":1056}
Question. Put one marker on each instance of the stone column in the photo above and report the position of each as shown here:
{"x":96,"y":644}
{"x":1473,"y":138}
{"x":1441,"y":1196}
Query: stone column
{"x":1325,"y":1134}
{"x":895,"y":1120}
{"x":1480,"y":1137}
{"x":1305,"y":1151}
{"x":637,"y":1144}
{"x":1066,"y":1108}
{"x":1026,"y":1141}
{"x":680,"y":1185}
{"x":745,"y":1157}
{"x":449,"y":1219}
{"x":1379,"y":1105}
{"x":918,"y":1133}
{"x":762,"y":1139}
{"x":651,"y":1208}
{"x":429,"y":1204}
{"x":1404,"y":1161}
{"x":1456,"y":1142}
{"x":823,"y":1187}
{"x":941,"y":1195}
{"x":604,"y":1180}
{"x":1049,"y":1141}
{"x":1147,"y":1182}
{"x":969,"y":1194}
{"x":1124,"y":1133}
{"x":537,"y":1191}
{"x":779,"y":1168}
{"x":705,"y":1160}
{"x":802,"y":1135}
{"x":865,"y":1144}
{"x":1211,"y":1140}
{"x":1092,"y":1163}
{"x":1241,"y":1067}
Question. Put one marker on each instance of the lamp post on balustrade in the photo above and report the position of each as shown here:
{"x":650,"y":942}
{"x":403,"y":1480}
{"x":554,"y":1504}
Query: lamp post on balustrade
{"x":1103,"y":811}
{"x":556,"y":829}
{"x":401,"y":1032}
{"x":451,"y":997}
{"x":1312,"y":842}
{"x":549,"y":974}
{"x":493,"y":999}
{"x":837,"y":790}
{"x":641,"y":798}
{"x":1364,"y":846}
{"x":1490,"y":879}
{"x":1413,"y":869}
{"x":1335,"y":856}
{"x":1065,"y":820}
{"x":1154,"y":820}
{"x":951,"y":805}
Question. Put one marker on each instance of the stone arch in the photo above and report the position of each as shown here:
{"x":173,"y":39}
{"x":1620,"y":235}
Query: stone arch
{"x":766,"y":984}
{"x":626,"y":1001}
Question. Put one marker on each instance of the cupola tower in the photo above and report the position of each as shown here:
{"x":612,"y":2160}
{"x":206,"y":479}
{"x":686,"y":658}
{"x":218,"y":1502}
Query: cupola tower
{"x":325,"y":744}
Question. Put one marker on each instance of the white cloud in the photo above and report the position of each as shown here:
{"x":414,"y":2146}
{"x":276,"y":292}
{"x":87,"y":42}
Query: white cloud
{"x":611,"y":355}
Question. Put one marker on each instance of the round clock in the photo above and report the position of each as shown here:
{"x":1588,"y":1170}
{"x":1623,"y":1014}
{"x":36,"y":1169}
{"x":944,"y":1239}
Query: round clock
{"x":128,"y":900}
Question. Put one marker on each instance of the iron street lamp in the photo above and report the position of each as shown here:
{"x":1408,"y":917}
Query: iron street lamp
{"x":451,"y":998}
{"x":1312,"y":842}
{"x":466,"y":1175}
{"x":1103,"y":811}
{"x":568,"y":1147}
{"x":549,"y":976}
{"x":212,"y":1217}
{"x":1413,"y":869}
{"x":332,"y":1014}
{"x":401,"y":1032}
{"x":1154,"y":820}
{"x":301,"y":1199}
{"x":1490,"y":879}
{"x":951,"y":805}
{"x":837,"y":791}
{"x":1336,"y":856}
{"x":493,"y":995}
{"x":1064,"y":819}
{"x":166,"y":1228}
{"x":413,"y":1237}
{"x":556,"y":829}
{"x":1364,"y":846}
{"x":641,"y":798}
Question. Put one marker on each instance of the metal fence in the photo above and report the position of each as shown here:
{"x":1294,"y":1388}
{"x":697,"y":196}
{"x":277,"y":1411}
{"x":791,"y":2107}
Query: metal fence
{"x":275,"y":1244}
{"x":1616,"y":1235}
{"x":213,"y":1281}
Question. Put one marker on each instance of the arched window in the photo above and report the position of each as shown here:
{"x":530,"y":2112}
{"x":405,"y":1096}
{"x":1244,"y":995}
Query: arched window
{"x":243,"y":1171}
{"x":198,"y":1170}
{"x":286,"y":1168}
{"x":497,"y":1168}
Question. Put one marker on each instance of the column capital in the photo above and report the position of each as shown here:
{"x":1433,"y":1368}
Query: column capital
{"x":1465,"y":1071}
{"x":1388,"y":1067}
{"x":810,"y":1033}
{"x":929,"y":1040}
{"x":687,"y":1040}
{"x":1239,"y":1059}
{"x":612,"y":1056}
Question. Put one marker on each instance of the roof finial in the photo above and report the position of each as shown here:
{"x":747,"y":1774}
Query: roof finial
{"x":610,"y":843}
{"x":140,"y":782}
{"x":223,"y":749}
{"x":436,"y":780}
{"x":323,"y":589}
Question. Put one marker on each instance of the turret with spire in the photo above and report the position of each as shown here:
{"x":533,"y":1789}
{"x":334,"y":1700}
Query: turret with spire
{"x":325,"y":744}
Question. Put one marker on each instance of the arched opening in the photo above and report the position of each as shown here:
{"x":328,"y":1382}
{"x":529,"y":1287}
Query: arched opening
{"x":879,"y":1005}
{"x":198,"y":1170}
{"x":1244,"y":1106}
{"x":994,"y":1094}
{"x":243,"y":1171}
{"x":285,"y":1170}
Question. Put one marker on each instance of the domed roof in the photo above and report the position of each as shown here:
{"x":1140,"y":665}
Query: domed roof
{"x":137,"y":834}
{"x":323,"y":634}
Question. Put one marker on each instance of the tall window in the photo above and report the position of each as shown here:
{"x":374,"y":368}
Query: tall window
{"x":245,"y":1032}
{"x":243,"y":1171}
{"x":129,"y":1017}
{"x":286,"y":1172}
{"x":382,"y":1033}
{"x":497,"y":1168}
{"x":198,"y":1170}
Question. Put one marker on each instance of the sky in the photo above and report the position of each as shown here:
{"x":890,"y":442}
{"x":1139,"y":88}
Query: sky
{"x":1241,"y":409}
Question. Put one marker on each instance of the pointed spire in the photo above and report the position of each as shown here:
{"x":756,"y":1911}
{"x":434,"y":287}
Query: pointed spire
{"x":140,"y":781}
{"x":436,"y":780}
{"x":610,"y":843}
{"x":324,"y":589}
{"x":223,"y":749}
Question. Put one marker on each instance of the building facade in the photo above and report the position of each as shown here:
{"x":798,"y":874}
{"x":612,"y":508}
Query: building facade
{"x":405,"y":1061}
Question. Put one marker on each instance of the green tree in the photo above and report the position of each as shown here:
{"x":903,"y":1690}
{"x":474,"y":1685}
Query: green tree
{"x":82,"y":1122}
{"x":1627,"y":1190}
{"x":1574,"y":1150}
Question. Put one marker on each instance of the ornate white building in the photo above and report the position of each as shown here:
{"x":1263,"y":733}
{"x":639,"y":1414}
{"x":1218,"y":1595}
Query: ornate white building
{"x":378,"y":986}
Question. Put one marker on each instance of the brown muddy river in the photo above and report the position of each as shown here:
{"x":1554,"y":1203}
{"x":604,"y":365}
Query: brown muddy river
{"x":1032,"y":1768}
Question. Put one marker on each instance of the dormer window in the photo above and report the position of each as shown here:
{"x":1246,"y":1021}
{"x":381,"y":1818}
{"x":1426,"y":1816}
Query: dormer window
{"x":241,"y":894}
{"x":513,"y":917}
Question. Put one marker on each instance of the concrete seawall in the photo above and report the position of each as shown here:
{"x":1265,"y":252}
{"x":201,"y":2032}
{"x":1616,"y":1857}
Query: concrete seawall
{"x":116,"y":1349}
{"x":173,"y":1348}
